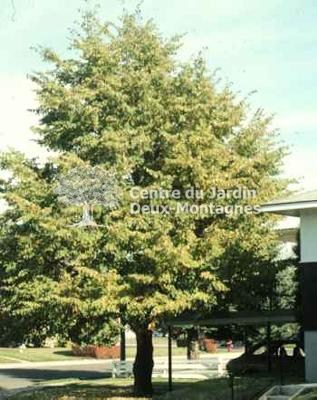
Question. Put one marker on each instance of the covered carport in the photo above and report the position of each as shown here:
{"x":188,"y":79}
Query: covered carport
{"x":245,"y":319}
{"x":304,"y":206}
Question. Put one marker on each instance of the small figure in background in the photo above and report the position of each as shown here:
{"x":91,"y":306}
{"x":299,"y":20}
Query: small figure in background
{"x":229,"y":345}
{"x":283,"y":352}
{"x":297,"y":353}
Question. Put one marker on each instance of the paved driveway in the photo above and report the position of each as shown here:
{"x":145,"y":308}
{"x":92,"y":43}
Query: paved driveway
{"x":27,"y":374}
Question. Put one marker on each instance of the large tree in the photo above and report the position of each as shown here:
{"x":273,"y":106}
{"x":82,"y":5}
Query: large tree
{"x":122,"y":100}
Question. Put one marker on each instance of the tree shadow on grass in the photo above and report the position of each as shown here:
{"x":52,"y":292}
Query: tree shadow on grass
{"x":122,"y":390}
{"x":40,"y":375}
{"x":65,"y":353}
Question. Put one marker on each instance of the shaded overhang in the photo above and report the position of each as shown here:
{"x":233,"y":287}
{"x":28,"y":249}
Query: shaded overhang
{"x":244,"y":318}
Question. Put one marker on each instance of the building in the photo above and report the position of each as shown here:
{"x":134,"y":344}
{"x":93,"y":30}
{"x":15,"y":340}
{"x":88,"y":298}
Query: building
{"x":304,"y":206}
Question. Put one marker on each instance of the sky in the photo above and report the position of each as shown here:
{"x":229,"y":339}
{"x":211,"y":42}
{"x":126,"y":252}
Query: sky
{"x":265,"y":46}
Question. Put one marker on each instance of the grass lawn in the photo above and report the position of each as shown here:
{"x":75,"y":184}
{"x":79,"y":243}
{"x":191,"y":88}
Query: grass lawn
{"x":60,"y":354}
{"x":35,"y":354}
{"x":5,"y":360}
{"x":90,"y":390}
{"x":216,"y":389}
{"x":246,"y":388}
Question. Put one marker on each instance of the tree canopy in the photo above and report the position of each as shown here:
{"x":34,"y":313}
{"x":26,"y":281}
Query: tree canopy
{"x":123,"y":101}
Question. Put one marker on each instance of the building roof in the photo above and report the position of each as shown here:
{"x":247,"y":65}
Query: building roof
{"x":292,"y":205}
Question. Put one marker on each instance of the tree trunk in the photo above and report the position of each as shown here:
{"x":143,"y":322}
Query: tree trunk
{"x":143,"y":365}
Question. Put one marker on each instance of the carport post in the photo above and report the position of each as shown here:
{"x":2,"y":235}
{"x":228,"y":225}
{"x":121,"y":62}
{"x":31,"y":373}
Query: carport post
{"x":245,"y":339}
{"x":170,"y":377}
{"x":269,"y":347}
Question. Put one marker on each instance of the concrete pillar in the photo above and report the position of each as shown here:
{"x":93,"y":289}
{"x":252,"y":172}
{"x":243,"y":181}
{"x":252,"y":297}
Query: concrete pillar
{"x":308,"y":240}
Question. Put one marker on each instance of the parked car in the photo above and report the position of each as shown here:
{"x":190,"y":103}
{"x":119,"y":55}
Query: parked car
{"x":283,"y":356}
